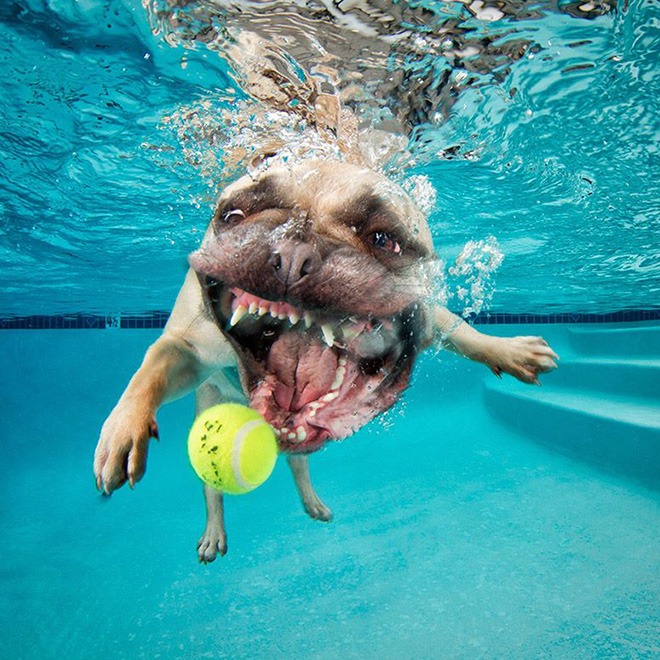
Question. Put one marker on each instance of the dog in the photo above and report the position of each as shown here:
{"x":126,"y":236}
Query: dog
{"x":312,"y":284}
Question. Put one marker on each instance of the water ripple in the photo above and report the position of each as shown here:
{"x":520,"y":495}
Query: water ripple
{"x":536,"y":124}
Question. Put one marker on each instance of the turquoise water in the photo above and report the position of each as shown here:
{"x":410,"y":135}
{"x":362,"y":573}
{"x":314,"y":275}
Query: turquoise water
{"x":455,"y":535}
{"x":553,"y":154}
{"x":477,"y":519}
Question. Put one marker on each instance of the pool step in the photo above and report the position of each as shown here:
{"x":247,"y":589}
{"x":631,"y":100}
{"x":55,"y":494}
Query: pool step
{"x":627,"y":377}
{"x":617,"y":432}
{"x":629,"y":341}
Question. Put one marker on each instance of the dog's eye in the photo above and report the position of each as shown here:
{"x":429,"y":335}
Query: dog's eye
{"x":232,"y":217}
{"x":385,"y":241}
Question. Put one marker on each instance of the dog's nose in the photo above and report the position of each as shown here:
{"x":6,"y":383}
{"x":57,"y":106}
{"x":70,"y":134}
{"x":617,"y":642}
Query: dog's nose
{"x":294,"y":260}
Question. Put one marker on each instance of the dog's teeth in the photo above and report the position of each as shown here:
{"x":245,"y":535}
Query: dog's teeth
{"x":291,"y":436}
{"x":330,"y":396}
{"x":328,"y":334}
{"x":238,"y":314}
{"x":308,"y":319}
{"x":339,"y":378}
{"x":281,"y":316}
{"x":293,"y":318}
{"x":252,"y":309}
{"x":342,"y":361}
{"x":301,"y":434}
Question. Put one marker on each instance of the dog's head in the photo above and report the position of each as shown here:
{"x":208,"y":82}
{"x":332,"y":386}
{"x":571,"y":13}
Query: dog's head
{"x":317,"y":275}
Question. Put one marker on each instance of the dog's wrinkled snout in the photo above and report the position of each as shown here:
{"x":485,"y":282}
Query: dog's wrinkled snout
{"x":294,"y":260}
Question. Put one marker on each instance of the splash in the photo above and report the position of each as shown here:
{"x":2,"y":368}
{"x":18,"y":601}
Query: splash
{"x":220,"y":140}
{"x":422,"y":192}
{"x":471,"y":278}
{"x":376,"y":79}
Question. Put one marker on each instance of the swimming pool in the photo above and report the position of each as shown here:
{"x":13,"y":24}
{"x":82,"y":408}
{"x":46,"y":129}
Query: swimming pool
{"x":455,"y":534}
{"x":113,"y":141}
{"x":478,"y":518}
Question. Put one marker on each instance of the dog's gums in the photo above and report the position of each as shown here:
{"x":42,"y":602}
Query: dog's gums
{"x":314,"y":377}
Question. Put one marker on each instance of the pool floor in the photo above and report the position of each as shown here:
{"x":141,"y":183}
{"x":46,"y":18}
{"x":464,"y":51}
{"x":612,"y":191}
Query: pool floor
{"x":455,"y":535}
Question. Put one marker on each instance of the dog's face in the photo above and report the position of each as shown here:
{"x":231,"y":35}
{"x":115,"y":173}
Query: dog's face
{"x":317,"y":276}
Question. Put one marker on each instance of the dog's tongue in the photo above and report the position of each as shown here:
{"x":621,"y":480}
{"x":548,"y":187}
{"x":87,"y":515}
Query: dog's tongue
{"x":304,"y":370}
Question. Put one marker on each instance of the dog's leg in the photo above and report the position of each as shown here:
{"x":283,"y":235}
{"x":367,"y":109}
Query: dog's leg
{"x":214,"y":538}
{"x":170,"y":369}
{"x":522,"y":357}
{"x":299,"y":465}
{"x":190,"y":349}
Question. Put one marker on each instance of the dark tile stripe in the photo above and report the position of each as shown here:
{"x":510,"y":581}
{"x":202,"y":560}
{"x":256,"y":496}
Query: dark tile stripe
{"x":151,"y":320}
{"x":84,"y":321}
{"x":622,"y":316}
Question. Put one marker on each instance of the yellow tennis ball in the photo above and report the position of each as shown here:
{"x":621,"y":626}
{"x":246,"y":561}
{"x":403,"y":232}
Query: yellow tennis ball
{"x":232,"y":448}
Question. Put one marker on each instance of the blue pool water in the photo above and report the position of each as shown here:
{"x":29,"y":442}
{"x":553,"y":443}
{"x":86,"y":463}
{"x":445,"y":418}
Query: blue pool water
{"x":479,"y":518}
{"x":456,"y":534}
{"x":106,"y":184}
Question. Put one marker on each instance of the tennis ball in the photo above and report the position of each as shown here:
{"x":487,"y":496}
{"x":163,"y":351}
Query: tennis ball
{"x":232,"y":448}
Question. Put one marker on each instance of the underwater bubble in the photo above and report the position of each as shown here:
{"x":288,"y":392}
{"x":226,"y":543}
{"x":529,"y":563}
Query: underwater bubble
{"x":472,"y":276}
{"x":422,"y":191}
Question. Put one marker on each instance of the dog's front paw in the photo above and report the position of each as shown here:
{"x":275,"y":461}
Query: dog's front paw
{"x":121,"y":454}
{"x":213,"y":541}
{"x":523,"y":358}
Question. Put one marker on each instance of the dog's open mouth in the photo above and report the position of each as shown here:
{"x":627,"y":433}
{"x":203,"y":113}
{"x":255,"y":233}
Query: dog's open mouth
{"x":313,"y":376}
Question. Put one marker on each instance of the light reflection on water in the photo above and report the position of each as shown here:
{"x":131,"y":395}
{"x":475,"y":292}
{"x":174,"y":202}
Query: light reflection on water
{"x":538,"y":126}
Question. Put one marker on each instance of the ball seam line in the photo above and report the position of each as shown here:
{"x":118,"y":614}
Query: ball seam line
{"x":239,"y":439}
